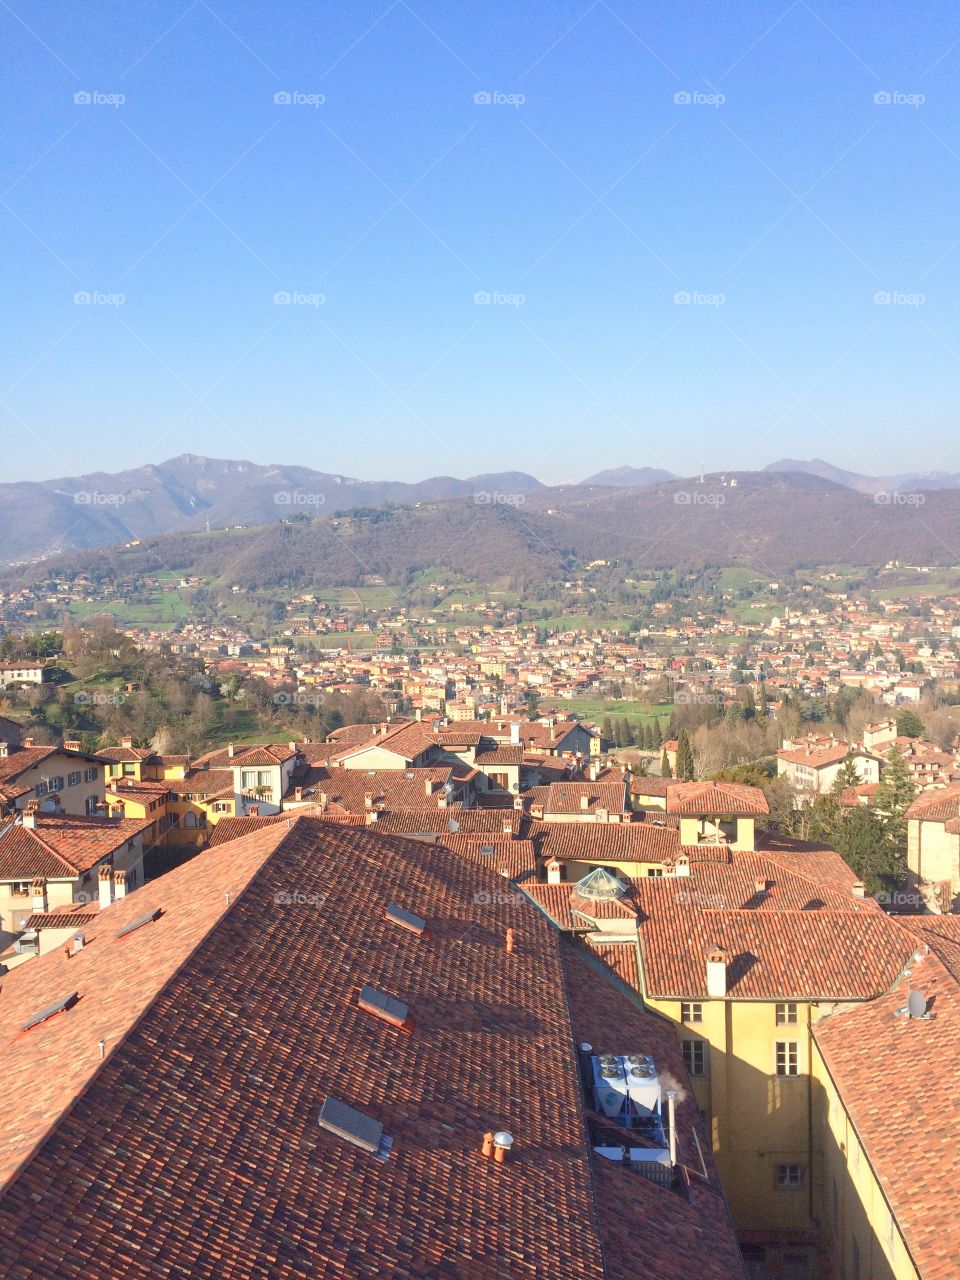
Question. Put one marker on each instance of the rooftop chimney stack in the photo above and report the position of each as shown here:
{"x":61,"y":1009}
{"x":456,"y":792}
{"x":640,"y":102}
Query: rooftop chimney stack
{"x":28,"y":742}
{"x":502,"y":1142}
{"x":514,"y":734}
{"x":716,"y":973}
{"x":127,"y":743}
{"x":72,"y":744}
{"x":672,"y":1113}
{"x":230,"y":750}
{"x":584,"y":803}
{"x":38,"y":889}
{"x":30,"y":815}
{"x":105,"y":886}
{"x":119,"y":885}
{"x":858,"y":889}
{"x":554,"y":872}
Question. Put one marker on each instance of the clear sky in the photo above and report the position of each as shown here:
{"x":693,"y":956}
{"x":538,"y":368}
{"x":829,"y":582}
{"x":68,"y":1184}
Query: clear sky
{"x":780,"y":165}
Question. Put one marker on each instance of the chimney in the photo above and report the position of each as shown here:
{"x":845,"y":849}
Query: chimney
{"x":230,"y":751}
{"x":298,"y":793}
{"x":29,"y":819}
{"x":419,"y":714}
{"x":554,"y":872}
{"x":593,"y":771}
{"x":858,"y":889}
{"x":368,"y":799}
{"x":105,"y":886}
{"x":28,"y":742}
{"x":584,"y":803}
{"x":672,"y":1113}
{"x":4,"y":750}
{"x":119,"y":885}
{"x":38,"y":888}
{"x":127,"y":742}
{"x":487,"y":1148}
{"x":77,"y":943}
{"x":716,"y":973}
{"x":514,"y":734}
{"x":293,"y":747}
{"x":322,"y":798}
{"x":428,"y":786}
{"x":502,"y":1142}
{"x":507,"y":826}
{"x":760,"y":886}
{"x":72,"y":744}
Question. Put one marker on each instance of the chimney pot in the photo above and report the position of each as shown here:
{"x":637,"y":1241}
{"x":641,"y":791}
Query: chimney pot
{"x":105,"y":886}
{"x":716,"y":973}
{"x":510,"y":942}
{"x":487,"y":1148}
{"x":38,"y":889}
{"x":502,"y":1142}
{"x":120,"y":884}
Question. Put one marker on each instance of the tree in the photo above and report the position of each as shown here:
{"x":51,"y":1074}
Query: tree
{"x":533,"y":705}
{"x":893,"y":798}
{"x":684,"y":756}
{"x":863,"y":842}
{"x":606,"y":729}
{"x":909,"y":725}
{"x":665,"y":770}
{"x":847,"y":776}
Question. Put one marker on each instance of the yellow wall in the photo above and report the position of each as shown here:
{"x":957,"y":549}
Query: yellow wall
{"x":932,"y":854}
{"x":859,"y":1212}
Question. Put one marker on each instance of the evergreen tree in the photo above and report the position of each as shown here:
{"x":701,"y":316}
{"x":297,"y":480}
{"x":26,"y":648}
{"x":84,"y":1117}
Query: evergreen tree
{"x":847,"y":776}
{"x":763,"y":707}
{"x":665,"y":770}
{"x":606,"y":729}
{"x":657,"y":734}
{"x":684,"y":756}
{"x":909,"y":725}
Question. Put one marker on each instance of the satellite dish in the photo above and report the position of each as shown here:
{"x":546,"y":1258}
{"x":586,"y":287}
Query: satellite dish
{"x":917,"y":1004}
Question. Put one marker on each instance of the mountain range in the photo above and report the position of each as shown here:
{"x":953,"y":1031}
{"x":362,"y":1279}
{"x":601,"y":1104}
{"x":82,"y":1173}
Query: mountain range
{"x":40,"y":519}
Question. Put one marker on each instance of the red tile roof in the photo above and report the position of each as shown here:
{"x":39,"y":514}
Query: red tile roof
{"x":194,"y":1148}
{"x":62,"y":845}
{"x":716,"y":798}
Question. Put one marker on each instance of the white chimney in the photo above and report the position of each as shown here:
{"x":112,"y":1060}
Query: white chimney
{"x":584,"y":803}
{"x":514,"y":734}
{"x":230,"y":751}
{"x":859,"y":889}
{"x":428,"y":786}
{"x":39,"y":890}
{"x":29,"y":818}
{"x":716,"y":973}
{"x":672,"y":1114}
{"x":554,"y":872}
{"x":119,"y":885}
{"x":105,"y":886}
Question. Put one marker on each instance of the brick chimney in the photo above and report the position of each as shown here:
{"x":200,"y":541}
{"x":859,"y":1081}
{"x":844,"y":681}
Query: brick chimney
{"x":38,"y":889}
{"x":716,"y":973}
{"x":119,"y":885}
{"x":105,"y":886}
{"x":28,"y":742}
{"x":72,"y":744}
{"x":127,"y":743}
{"x":30,"y":815}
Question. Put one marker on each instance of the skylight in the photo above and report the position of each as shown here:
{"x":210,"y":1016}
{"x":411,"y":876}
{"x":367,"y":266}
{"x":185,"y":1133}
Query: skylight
{"x":407,"y":920}
{"x":58,"y":1007}
{"x":354,"y":1127}
{"x":139,"y":922}
{"x":383,"y":1006}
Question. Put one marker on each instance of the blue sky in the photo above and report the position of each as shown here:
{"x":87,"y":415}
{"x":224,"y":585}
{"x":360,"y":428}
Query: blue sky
{"x":779,"y":166}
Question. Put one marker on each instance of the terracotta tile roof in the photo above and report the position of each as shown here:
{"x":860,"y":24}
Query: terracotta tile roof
{"x":20,"y":759}
{"x":897,"y":1080}
{"x":606,"y":841}
{"x":69,"y":917}
{"x":503,"y":754}
{"x":569,"y":797}
{"x":62,"y":845}
{"x":408,"y":741}
{"x":195,"y":1147}
{"x":490,"y":821}
{"x":569,"y":911}
{"x":391,"y":788}
{"x":716,"y":798}
{"x":213,"y":783}
{"x":938,"y":805}
{"x":262,"y":754}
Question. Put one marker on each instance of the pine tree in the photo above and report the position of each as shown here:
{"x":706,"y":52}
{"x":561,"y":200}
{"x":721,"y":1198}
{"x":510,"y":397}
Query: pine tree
{"x":762,"y":709}
{"x":665,"y":770}
{"x":909,"y":725}
{"x":657,"y":740}
{"x":896,"y":791}
{"x":684,"y":756}
{"x":847,"y":776}
{"x":606,"y":729}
